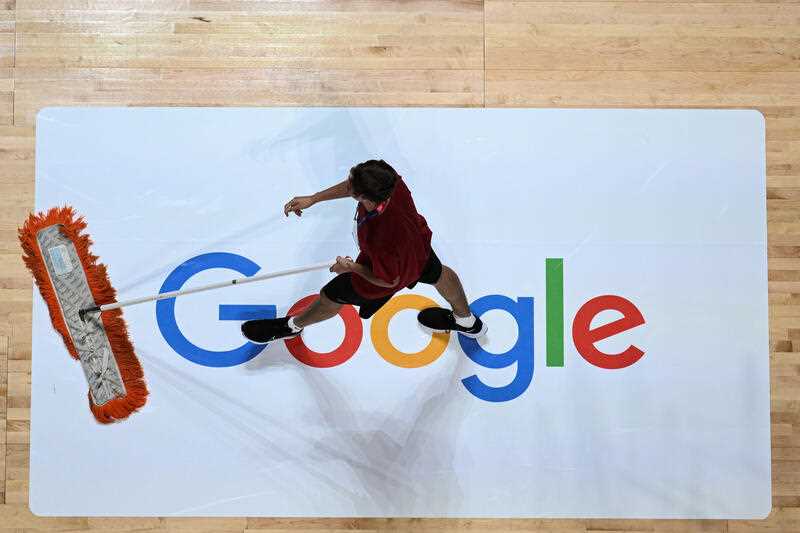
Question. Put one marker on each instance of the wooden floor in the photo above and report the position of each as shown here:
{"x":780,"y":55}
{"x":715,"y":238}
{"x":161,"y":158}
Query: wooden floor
{"x":411,"y":53}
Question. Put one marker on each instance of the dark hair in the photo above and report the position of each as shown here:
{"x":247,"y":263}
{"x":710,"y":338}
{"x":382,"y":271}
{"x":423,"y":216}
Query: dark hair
{"x":374,"y":180}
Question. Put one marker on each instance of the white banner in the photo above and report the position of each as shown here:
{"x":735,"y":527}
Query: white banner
{"x":617,"y":256}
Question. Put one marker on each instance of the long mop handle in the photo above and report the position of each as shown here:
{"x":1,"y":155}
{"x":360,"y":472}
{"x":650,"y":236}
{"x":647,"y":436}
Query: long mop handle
{"x":174,"y":294}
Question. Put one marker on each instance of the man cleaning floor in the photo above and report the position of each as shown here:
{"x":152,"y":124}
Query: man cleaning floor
{"x":395,"y":252}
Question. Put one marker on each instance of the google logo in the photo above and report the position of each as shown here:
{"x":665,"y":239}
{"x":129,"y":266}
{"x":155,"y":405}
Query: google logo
{"x":584,"y":336}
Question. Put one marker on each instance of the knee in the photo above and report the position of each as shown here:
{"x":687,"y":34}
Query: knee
{"x":327,"y":303}
{"x":446,"y":276}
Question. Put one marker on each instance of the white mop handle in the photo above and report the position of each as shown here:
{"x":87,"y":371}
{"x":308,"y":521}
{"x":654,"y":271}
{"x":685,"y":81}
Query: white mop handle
{"x":238,"y":281}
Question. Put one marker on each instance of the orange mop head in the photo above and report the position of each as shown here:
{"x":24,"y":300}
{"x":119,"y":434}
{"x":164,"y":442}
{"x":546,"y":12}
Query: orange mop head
{"x":70,"y":278}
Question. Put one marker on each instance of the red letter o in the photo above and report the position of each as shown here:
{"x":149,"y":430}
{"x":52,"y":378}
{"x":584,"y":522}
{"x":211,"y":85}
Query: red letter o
{"x":353,"y":331}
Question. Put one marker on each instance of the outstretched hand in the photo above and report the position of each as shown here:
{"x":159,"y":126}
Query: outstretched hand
{"x":297,"y":204}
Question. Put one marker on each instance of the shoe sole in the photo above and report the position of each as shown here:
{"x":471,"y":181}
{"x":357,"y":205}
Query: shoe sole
{"x":484,"y":330}
{"x":267,"y":342}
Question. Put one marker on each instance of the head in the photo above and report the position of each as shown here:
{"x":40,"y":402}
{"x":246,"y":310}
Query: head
{"x":372,"y":182}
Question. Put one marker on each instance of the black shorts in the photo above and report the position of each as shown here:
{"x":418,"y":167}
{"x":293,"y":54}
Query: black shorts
{"x":340,"y":289}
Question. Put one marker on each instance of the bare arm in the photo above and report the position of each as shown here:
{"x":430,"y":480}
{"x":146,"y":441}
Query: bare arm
{"x":340,"y":190}
{"x":346,"y":264}
{"x":298,"y":203}
{"x":366,"y":273}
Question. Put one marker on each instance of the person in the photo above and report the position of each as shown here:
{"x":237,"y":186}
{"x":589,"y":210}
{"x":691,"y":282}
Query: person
{"x":395,"y":253}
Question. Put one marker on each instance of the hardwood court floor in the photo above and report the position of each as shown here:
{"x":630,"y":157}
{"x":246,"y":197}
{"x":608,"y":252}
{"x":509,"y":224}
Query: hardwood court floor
{"x":534,"y":53}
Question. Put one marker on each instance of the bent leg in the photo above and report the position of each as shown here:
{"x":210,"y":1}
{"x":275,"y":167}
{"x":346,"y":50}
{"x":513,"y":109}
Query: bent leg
{"x":322,"y":309}
{"x":449,"y":286}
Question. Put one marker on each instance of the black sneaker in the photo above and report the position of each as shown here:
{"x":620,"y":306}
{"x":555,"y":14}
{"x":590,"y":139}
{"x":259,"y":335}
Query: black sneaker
{"x":268,"y":330}
{"x":438,"y":319}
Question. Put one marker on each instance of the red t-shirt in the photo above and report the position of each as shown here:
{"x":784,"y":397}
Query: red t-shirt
{"x":397,"y":242}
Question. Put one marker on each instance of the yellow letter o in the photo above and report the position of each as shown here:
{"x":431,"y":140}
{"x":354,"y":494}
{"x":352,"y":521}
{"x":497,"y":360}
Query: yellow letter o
{"x":379,"y":331}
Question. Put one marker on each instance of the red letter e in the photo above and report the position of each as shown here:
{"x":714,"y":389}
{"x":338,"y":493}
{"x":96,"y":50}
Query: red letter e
{"x":585,"y":338}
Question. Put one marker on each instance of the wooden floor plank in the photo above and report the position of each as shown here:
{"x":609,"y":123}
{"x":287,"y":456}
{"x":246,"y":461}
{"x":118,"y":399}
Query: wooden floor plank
{"x":308,"y":35}
{"x":533,"y":88}
{"x":663,"y":36}
{"x":36,"y":88}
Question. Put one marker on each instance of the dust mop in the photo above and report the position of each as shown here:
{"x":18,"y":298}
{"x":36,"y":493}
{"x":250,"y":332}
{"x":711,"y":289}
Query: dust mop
{"x":72,"y":282}
{"x":70,"y":278}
